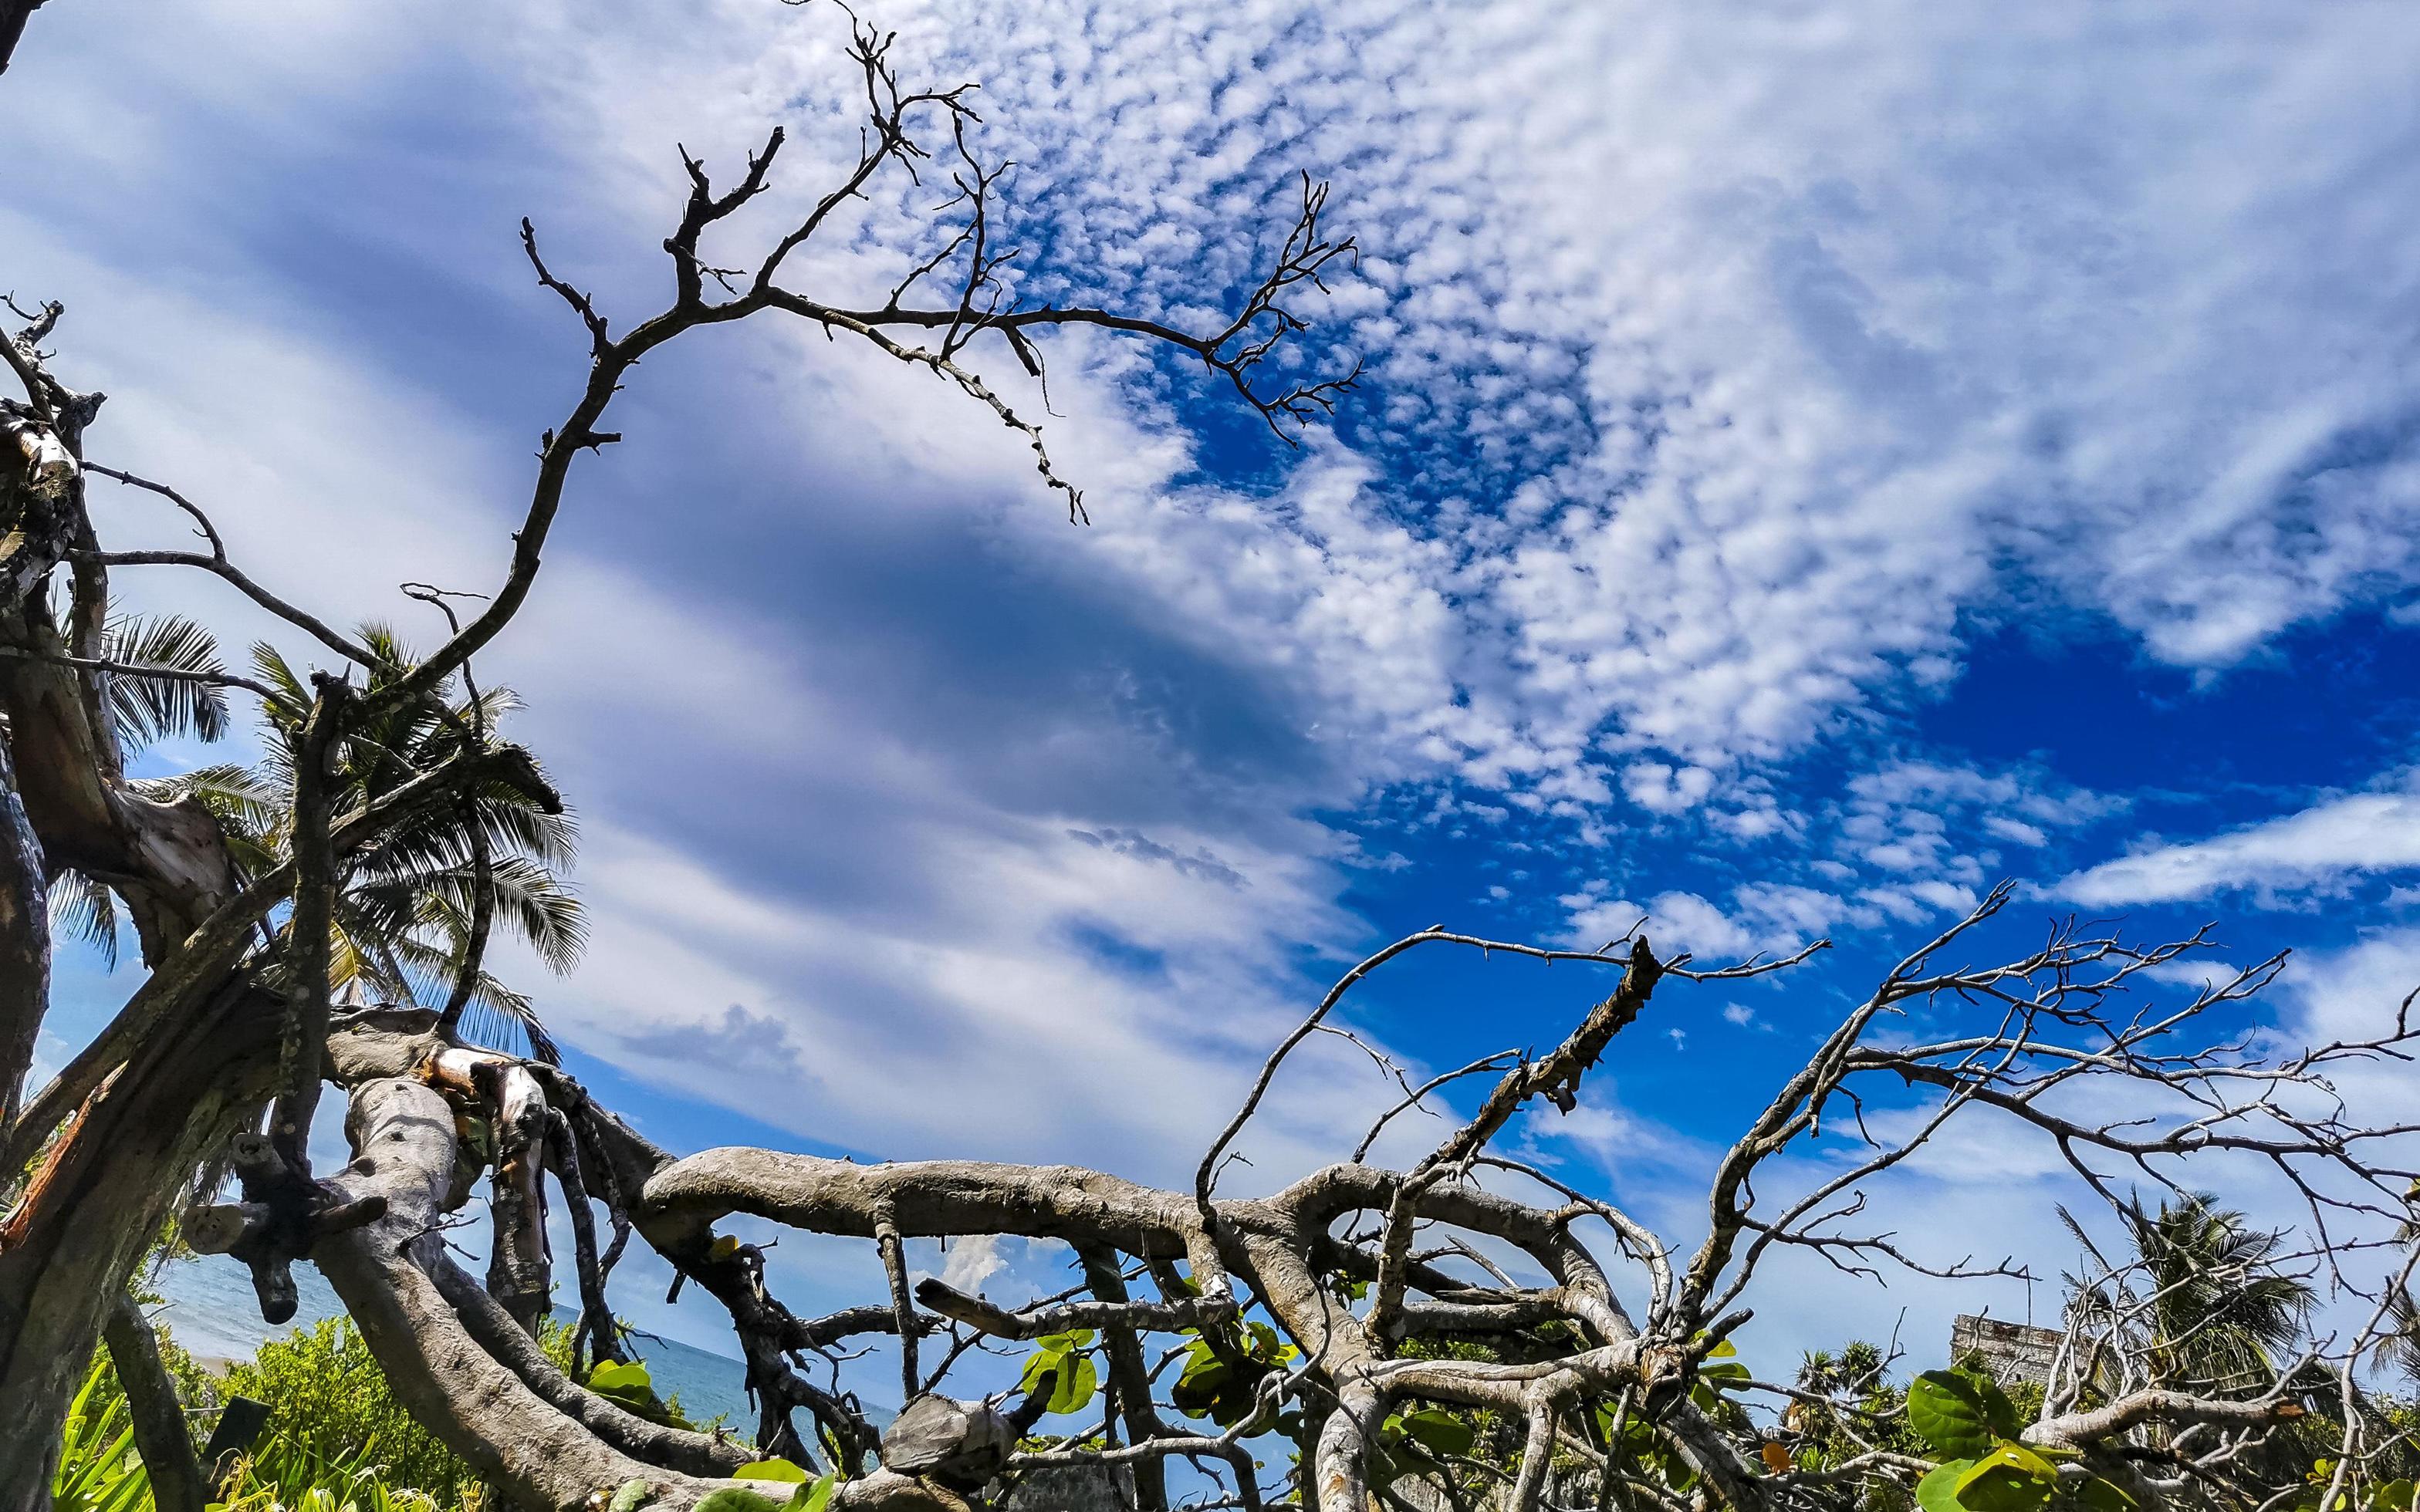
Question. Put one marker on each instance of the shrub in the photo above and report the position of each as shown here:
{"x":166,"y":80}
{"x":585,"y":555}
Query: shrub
{"x":332,"y":1413}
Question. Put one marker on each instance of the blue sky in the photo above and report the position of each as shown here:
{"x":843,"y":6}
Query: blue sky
{"x":1814,"y":462}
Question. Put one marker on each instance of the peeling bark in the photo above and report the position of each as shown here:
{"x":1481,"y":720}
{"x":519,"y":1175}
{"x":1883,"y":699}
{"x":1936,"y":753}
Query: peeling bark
{"x":518,"y":1273}
{"x":393,"y":1277}
{"x":98,"y":1202}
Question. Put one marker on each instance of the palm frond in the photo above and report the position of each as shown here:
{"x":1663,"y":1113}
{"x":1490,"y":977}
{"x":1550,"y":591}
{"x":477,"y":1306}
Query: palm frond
{"x":530,"y":902}
{"x":84,"y":909}
{"x":403,"y":921}
{"x":293,"y":699}
{"x":154,"y":708}
{"x":2400,"y":1348}
{"x":437,"y":838}
{"x":247,"y":801}
{"x":497,"y":1016}
{"x":2223,"y":1311}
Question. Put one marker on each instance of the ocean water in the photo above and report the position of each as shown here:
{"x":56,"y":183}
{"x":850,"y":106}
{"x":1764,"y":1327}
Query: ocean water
{"x":212,"y":1311}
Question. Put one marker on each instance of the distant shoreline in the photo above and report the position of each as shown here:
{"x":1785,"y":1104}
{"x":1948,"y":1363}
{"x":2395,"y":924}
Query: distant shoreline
{"x":213,"y":1315}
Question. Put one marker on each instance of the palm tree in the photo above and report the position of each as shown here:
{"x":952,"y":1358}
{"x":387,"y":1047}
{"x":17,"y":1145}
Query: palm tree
{"x":2206,"y":1306}
{"x":412,"y":917}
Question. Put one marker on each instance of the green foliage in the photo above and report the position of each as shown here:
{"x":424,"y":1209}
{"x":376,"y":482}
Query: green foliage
{"x":813,"y":1495}
{"x":1720,"y":1371}
{"x":1938,"y":1490}
{"x":1438,"y":1432}
{"x":2220,"y":1312}
{"x":1960,"y":1420}
{"x":1223,"y":1382}
{"x":2012,"y":1478}
{"x":332,"y":1413}
{"x":97,"y":1469}
{"x":152,"y":709}
{"x":632,"y":1388}
{"x":630,"y":1496}
{"x":1959,"y":1414}
{"x":1066,"y":1359}
{"x":404,"y":923}
{"x":282,"y":1477}
{"x":816,"y":1495}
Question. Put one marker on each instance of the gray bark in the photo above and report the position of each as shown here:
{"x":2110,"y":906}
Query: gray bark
{"x":546,"y":1444}
{"x":161,"y":1435}
{"x":24,"y":946}
{"x":98,"y":1202}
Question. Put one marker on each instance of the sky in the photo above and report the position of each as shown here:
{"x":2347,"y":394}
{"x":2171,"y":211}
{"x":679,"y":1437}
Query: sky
{"x":1811,"y":464}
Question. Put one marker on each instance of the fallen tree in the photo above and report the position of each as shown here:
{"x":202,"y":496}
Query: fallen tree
{"x":1369,"y":1320}
{"x":1355,"y":1314}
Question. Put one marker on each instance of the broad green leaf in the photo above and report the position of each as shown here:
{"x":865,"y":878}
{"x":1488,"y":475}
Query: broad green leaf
{"x":736,"y":1499}
{"x":1999,"y":1411}
{"x":1439,"y":1432}
{"x":1077,"y":1386}
{"x":816,"y":1495}
{"x":1948,"y":1412}
{"x":1200,"y":1388}
{"x":1236,"y":1402}
{"x":770,"y":1469}
{"x":2023,"y":1457}
{"x":2099,"y":1495}
{"x":2394,"y":1496}
{"x":609,"y":1376}
{"x":1077,"y":1378}
{"x":1938,"y":1490}
{"x":2012,"y":1478}
{"x":1081,"y":1338}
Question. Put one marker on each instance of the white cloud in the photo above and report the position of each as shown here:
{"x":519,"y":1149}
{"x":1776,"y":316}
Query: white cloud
{"x":1755,"y":371}
{"x":2321,"y":847}
{"x":1720,"y":360}
{"x":1719,"y":397}
{"x":973,"y":1261}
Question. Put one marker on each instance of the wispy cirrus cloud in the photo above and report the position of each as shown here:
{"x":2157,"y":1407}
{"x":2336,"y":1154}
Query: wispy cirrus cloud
{"x":2321,"y":848}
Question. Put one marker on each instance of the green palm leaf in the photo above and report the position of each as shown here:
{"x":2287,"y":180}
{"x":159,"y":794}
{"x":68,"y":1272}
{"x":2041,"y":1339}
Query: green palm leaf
{"x":154,"y":708}
{"x":82,"y":908}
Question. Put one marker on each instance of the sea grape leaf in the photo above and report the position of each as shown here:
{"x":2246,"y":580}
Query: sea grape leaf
{"x":2012,"y":1478}
{"x":1439,"y":1432}
{"x":1938,"y":1490}
{"x":1948,"y":1412}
